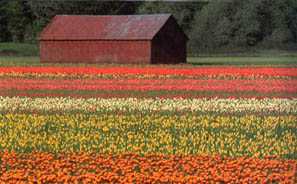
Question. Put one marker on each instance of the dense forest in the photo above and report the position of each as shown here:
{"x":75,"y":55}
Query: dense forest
{"x":213,"y":25}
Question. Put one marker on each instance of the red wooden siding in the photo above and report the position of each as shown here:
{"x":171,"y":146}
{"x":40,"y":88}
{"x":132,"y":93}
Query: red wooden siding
{"x":96,"y":51}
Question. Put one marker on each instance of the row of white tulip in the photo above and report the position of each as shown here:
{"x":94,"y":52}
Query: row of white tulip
{"x":133,"y":104}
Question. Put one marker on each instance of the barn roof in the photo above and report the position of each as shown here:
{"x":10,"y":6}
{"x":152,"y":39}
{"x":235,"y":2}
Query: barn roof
{"x":111,"y":27}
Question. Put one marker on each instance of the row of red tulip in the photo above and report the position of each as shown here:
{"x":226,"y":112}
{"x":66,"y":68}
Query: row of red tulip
{"x":227,"y":85}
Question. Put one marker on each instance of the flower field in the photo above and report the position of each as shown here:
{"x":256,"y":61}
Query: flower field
{"x":148,"y":124}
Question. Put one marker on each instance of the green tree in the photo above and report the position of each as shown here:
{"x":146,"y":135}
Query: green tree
{"x":212,"y":26}
{"x":237,"y":23}
{"x":282,"y":20}
{"x":182,"y":12}
{"x":4,"y":36}
{"x":246,"y":25}
{"x":292,"y":21}
{"x":16,"y":19}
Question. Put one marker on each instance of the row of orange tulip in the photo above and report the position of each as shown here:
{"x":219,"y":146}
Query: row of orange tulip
{"x":134,"y":168}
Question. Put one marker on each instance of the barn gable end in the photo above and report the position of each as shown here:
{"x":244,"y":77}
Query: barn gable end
{"x":169,"y":44}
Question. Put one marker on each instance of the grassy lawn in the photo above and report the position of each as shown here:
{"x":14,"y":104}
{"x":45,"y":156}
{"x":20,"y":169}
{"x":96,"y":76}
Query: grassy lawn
{"x":254,"y":57}
{"x":190,"y":60}
{"x":19,"y":52}
{"x":242,"y":60}
{"x":18,"y":49}
{"x":28,"y":59}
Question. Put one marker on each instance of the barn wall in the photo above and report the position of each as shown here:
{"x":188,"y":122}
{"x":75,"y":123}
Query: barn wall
{"x":170,"y":44}
{"x":95,"y":51}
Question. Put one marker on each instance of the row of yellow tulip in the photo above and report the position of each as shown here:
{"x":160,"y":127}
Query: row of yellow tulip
{"x":166,"y":133}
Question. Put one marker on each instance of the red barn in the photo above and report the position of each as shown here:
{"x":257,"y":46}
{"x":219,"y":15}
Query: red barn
{"x":155,"y":38}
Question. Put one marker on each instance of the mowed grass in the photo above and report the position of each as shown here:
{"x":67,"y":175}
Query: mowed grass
{"x":255,"y":56}
{"x":191,"y":60}
{"x":19,"y":49}
{"x":19,"y":52}
{"x":28,"y":59}
{"x":242,"y":60}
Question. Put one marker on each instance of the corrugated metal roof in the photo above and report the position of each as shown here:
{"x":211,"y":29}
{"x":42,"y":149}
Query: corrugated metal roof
{"x":112,"y":27}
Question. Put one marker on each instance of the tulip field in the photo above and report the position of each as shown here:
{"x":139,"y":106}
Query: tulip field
{"x":148,"y":123}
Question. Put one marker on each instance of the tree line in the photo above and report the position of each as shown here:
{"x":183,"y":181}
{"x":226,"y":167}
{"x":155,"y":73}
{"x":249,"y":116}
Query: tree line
{"x":209,"y":25}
